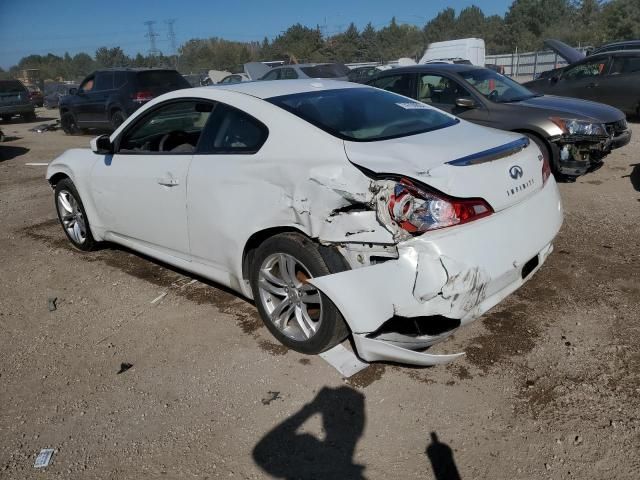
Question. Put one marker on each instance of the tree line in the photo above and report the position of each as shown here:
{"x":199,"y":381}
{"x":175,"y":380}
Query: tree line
{"x":524,"y":26}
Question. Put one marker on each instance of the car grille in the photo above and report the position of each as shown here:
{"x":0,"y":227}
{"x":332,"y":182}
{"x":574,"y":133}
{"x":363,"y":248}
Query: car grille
{"x":616,"y":127}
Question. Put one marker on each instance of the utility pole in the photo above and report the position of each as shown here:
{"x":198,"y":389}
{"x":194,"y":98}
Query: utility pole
{"x":171,"y":35}
{"x":151,"y":35}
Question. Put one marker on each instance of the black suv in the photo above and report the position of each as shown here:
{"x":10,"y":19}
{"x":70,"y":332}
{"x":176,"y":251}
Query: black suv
{"x":107,"y":97}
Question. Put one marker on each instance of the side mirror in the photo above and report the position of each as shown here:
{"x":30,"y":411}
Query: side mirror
{"x":73,"y":91}
{"x":102,"y":145}
{"x":465,"y":102}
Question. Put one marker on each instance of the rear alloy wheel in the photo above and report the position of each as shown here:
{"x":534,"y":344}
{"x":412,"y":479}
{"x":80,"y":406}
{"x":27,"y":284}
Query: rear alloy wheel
{"x":117,"y":119}
{"x":69,"y":124}
{"x":297,"y":314}
{"x":72,"y":216}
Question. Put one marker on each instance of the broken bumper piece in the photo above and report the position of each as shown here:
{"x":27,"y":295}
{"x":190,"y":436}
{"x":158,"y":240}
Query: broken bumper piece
{"x":457,"y":273}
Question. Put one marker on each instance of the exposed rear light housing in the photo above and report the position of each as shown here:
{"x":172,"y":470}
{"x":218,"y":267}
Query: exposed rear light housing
{"x":418,"y":210}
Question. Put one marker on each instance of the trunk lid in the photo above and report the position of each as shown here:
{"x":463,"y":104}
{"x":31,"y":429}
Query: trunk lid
{"x":464,"y":161}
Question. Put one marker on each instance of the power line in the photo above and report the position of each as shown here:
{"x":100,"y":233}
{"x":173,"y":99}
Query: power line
{"x":151,"y":35}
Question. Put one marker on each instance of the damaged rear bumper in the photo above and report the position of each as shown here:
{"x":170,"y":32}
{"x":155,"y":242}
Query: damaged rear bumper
{"x":456,"y":273}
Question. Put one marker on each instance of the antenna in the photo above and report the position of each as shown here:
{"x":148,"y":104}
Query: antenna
{"x":151,"y":35}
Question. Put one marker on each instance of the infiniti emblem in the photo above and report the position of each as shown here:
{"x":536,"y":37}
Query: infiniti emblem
{"x":516,"y":172}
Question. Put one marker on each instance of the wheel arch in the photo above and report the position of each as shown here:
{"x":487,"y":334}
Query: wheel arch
{"x":57,"y":177}
{"x":256,"y":239}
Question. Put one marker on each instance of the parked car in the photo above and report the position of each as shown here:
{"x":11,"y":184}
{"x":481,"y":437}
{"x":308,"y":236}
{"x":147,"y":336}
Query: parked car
{"x":14,"y":100}
{"x":234,"y":78}
{"x":106,"y":98}
{"x":355,"y":210}
{"x":35,"y":95}
{"x":573,"y":135}
{"x":53,"y":93}
{"x":611,"y":77}
{"x":616,"y":46}
{"x":362,"y":74}
{"x":260,"y":71}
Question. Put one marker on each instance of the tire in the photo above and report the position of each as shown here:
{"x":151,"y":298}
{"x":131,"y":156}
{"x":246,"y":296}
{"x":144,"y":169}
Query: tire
{"x":29,"y":117}
{"x":305,"y":320}
{"x":73,"y":217}
{"x":117,"y":119}
{"x":69,"y":124}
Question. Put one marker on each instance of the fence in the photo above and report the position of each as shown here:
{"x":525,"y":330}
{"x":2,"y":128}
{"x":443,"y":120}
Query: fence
{"x":526,"y":65}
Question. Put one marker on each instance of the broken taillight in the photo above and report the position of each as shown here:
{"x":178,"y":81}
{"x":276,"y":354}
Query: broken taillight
{"x":142,"y":96}
{"x":546,"y":171}
{"x":417,"y":210}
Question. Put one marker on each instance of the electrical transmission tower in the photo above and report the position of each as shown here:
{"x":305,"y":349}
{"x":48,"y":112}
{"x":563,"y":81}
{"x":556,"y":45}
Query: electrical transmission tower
{"x":171,"y":35}
{"x":152,"y":35}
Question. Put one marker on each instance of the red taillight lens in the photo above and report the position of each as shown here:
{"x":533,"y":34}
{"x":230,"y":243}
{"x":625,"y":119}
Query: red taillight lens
{"x":142,"y":96}
{"x":546,"y":171}
{"x":417,"y":210}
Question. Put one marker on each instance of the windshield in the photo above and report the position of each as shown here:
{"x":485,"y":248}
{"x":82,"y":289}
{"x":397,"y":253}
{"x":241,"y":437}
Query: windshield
{"x":496,"y":87}
{"x":364,"y":114}
{"x":330,"y":70}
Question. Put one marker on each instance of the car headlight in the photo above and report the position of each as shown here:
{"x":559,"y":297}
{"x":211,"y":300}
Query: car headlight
{"x":572,"y":126}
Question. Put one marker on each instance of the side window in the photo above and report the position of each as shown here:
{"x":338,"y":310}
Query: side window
{"x":440,"y":90}
{"x":119,"y":79}
{"x":585,"y":70}
{"x":232,"y":131}
{"x":289,"y":74}
{"x":174,"y":127}
{"x":272,"y":75}
{"x":88,"y":84}
{"x":104,"y":81}
{"x":625,"y":65}
{"x":400,"y":84}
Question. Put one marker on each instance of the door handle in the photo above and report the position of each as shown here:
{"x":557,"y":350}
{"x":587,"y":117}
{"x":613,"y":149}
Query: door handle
{"x":168,"y":182}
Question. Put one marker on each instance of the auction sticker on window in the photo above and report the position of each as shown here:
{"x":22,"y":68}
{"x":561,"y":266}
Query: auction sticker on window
{"x":413,"y":106}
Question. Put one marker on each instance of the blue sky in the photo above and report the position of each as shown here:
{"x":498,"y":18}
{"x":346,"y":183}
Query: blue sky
{"x":43,"y":26}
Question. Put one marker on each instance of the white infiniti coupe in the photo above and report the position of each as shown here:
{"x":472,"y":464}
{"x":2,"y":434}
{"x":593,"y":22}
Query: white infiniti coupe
{"x":339,"y":209}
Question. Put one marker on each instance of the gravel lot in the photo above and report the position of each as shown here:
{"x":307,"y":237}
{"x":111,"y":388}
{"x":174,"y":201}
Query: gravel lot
{"x":549,"y":387}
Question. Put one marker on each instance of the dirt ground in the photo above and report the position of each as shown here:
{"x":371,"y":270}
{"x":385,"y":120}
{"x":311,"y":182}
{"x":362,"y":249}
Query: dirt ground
{"x":549,"y":387}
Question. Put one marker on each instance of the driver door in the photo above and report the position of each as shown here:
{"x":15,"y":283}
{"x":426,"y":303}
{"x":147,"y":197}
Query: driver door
{"x":442,"y":92}
{"x":141,"y":190}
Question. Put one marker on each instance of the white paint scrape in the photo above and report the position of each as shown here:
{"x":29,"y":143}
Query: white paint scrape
{"x":344,"y":360}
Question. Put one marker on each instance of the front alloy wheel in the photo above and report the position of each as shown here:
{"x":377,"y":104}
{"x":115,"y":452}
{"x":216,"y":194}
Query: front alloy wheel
{"x":73,"y":216}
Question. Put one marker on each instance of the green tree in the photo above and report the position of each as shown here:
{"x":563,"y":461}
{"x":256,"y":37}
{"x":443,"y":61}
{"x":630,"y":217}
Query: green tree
{"x":111,"y":57}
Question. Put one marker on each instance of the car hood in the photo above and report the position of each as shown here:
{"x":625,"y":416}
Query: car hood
{"x":570,"y":54}
{"x":256,"y":70}
{"x":576,"y":108}
{"x":464,"y":160}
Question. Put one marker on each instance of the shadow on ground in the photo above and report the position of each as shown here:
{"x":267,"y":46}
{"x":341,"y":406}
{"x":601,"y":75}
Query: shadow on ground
{"x":286,"y":453}
{"x":8,"y":152}
{"x":634,"y":176}
{"x":289,"y":452}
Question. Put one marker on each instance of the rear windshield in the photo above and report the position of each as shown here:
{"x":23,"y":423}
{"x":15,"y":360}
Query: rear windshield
{"x":162,"y":78}
{"x":11,"y":86}
{"x":331,"y":70}
{"x":364,"y":114}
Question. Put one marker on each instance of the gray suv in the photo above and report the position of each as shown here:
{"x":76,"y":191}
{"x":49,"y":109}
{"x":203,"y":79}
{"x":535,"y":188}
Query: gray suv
{"x":15,"y":100}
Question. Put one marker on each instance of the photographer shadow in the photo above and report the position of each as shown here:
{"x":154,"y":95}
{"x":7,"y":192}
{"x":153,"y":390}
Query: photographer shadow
{"x":441,"y":457}
{"x":286,"y":453}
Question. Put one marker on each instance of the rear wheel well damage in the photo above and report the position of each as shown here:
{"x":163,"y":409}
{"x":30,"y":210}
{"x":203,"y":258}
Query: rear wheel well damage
{"x":330,"y":254}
